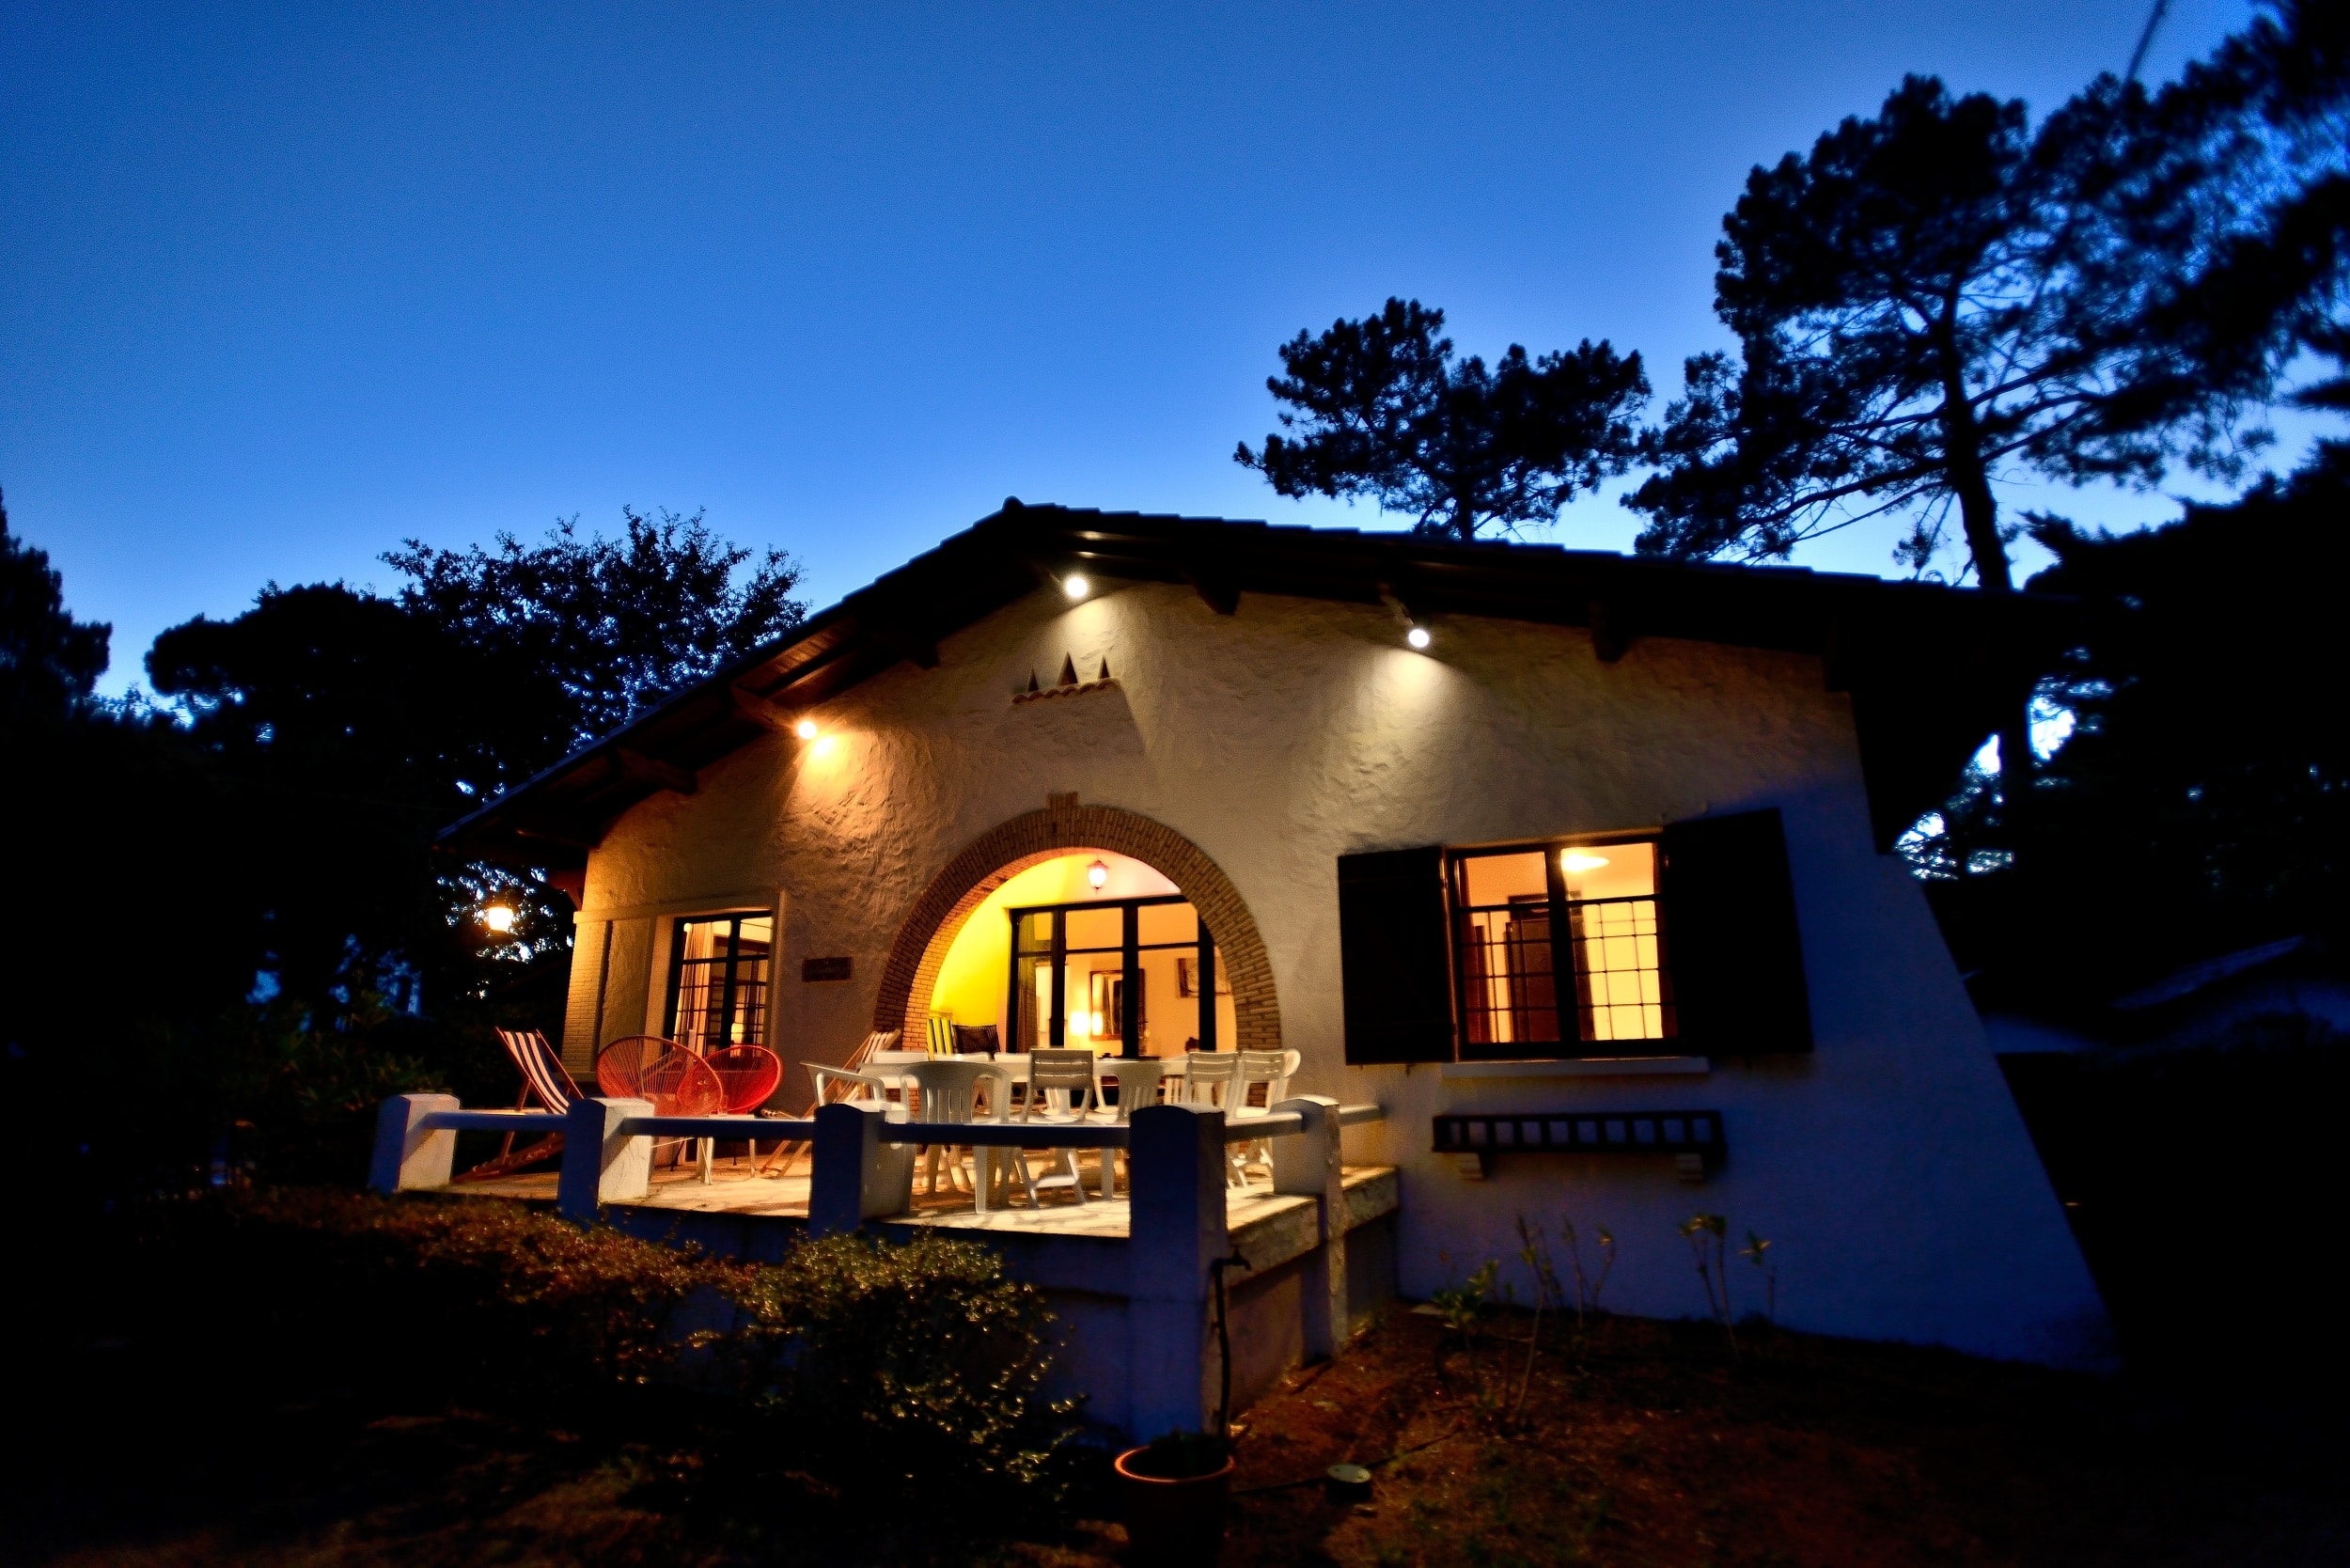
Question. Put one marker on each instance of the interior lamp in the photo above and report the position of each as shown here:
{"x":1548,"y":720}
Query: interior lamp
{"x":1076,"y":585}
{"x":1097,"y":876}
{"x":805,"y":729}
{"x":499,"y":917}
{"x":1417,"y":636}
{"x":1580,"y":860}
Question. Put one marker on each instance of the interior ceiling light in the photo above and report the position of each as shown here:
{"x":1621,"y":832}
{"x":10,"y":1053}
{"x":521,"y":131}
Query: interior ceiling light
{"x":499,"y":917}
{"x":1580,"y":860}
{"x":1097,"y":876}
{"x":1076,"y":585}
{"x":1417,"y":636}
{"x":805,"y":729}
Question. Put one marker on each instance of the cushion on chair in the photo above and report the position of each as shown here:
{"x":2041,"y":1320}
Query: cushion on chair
{"x":972,"y":1038}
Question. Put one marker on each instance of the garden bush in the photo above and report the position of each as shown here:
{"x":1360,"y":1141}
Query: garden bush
{"x":919,"y":1356}
{"x":919,"y":1350}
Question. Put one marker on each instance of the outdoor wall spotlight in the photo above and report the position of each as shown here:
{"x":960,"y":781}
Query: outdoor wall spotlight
{"x":499,"y":917}
{"x":805,"y":729}
{"x":1076,"y":585}
{"x":1097,"y":876}
{"x":1577,"y":860}
{"x":1417,"y":636}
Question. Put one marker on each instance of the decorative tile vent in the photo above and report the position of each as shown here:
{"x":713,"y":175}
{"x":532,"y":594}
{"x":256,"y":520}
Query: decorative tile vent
{"x":1693,"y":1137}
{"x":1069,"y":685}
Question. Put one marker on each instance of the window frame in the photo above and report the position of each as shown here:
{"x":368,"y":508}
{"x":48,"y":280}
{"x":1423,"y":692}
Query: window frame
{"x":732,"y":965}
{"x":1130,"y":947}
{"x":1565,"y":993}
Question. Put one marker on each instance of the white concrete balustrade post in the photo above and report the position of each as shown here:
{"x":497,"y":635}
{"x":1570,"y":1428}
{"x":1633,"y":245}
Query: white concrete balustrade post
{"x":406,"y":1155}
{"x":856,"y":1176}
{"x":601,"y":1165}
{"x":1176,"y":1228}
{"x":1308,"y":1166}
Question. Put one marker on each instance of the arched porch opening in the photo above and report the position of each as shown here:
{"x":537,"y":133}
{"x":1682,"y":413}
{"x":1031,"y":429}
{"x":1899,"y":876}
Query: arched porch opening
{"x":910,"y":977}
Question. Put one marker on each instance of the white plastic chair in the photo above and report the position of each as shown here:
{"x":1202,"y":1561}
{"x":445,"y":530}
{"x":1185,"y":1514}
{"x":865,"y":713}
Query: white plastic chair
{"x":789,"y":1152}
{"x":1139,"y":1080}
{"x":1051,"y":1073}
{"x":950,"y":1094}
{"x":853,"y":1086}
{"x":1271,"y":1069}
{"x":1213,"y":1078}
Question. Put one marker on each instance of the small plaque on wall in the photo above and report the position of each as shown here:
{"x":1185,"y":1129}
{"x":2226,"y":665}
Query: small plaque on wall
{"x":814,"y":969}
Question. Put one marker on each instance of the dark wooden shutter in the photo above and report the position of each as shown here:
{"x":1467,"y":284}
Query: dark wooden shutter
{"x":1393,"y":956}
{"x":1731,"y":941}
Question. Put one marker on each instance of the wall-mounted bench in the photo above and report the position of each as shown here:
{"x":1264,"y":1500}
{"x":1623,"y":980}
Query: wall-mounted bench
{"x":1692,"y":1137}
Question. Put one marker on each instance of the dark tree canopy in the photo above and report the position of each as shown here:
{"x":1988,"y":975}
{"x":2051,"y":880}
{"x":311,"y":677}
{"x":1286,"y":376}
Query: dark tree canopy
{"x":593,"y":629}
{"x":1940,"y":297}
{"x":358,"y":726}
{"x":2203,"y":802}
{"x":1383,"y":410}
{"x":49,"y":662}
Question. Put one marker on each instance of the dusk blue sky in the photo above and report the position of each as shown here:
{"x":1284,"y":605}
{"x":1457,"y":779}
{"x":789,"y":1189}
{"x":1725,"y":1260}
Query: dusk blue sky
{"x":285,"y":284}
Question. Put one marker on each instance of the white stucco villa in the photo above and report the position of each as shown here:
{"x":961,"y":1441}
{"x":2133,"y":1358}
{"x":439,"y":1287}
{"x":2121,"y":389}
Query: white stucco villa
{"x":1509,"y":841}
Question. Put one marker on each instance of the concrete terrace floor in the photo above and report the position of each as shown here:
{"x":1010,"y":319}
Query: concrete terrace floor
{"x":737,"y":1190}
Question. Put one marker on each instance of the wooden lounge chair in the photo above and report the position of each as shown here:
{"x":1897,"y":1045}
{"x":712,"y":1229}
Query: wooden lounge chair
{"x":791,"y":1149}
{"x":544,"y":1077}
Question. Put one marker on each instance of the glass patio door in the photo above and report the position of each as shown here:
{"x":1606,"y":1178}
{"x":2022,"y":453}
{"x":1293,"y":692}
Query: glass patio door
{"x":1124,"y":977}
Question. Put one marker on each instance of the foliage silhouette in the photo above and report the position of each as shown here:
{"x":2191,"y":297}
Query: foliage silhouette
{"x":1941,"y":294}
{"x":1383,"y":410}
{"x":2203,"y":802}
{"x":49,"y":662}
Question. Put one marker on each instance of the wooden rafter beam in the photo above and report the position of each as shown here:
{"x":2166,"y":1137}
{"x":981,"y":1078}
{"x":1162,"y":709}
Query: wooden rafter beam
{"x":639,"y":768}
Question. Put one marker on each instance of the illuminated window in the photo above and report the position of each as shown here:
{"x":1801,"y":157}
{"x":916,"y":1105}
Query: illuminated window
{"x":719,"y":969}
{"x":1558,"y":950}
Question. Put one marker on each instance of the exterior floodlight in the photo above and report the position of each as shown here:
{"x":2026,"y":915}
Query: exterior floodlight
{"x":805,"y":729}
{"x":1076,"y":585}
{"x":1417,"y":636}
{"x":1097,"y":876}
{"x":499,"y":917}
{"x":1577,"y":860}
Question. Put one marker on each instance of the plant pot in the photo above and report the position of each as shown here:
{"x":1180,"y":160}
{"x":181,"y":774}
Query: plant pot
{"x":1172,"y":1521}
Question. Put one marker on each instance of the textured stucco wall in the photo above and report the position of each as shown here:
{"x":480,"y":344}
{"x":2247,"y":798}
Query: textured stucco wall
{"x":1890,"y":1168}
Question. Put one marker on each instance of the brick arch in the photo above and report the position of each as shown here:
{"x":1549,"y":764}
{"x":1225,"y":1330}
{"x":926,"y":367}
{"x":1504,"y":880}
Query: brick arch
{"x":996,"y":856}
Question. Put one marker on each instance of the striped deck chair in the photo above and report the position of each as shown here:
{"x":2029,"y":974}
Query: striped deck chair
{"x":543,"y":1077}
{"x":880,"y":1040}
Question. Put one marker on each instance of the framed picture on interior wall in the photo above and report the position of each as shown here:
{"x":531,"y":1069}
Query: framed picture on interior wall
{"x":1187,"y":979}
{"x":1109,"y":1004}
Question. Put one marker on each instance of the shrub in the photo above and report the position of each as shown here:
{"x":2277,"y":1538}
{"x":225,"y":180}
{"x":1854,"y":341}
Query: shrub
{"x":919,"y":1356}
{"x":513,"y":1295}
{"x":921,"y":1351}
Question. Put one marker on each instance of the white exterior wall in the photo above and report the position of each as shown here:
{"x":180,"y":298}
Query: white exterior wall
{"x":1889,"y":1167}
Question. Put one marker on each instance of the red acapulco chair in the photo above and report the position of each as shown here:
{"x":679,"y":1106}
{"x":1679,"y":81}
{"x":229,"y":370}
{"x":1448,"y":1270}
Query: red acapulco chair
{"x":673,"y":1079}
{"x":749,"y":1075}
{"x":621,"y":1066}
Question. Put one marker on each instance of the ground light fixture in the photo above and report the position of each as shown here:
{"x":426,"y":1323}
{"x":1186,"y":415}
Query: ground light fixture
{"x":1076,"y":585}
{"x":805,"y":729}
{"x":1097,"y":876}
{"x":499,"y":917}
{"x":1580,"y":860}
{"x":1417,"y":636}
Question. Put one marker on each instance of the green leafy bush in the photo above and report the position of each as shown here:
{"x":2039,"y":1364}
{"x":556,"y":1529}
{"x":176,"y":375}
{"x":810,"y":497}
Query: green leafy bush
{"x":919,"y":1357}
{"x":921,"y":1351}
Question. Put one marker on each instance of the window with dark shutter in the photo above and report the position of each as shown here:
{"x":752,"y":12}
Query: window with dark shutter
{"x":1730,"y":926}
{"x":1395,"y":971}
